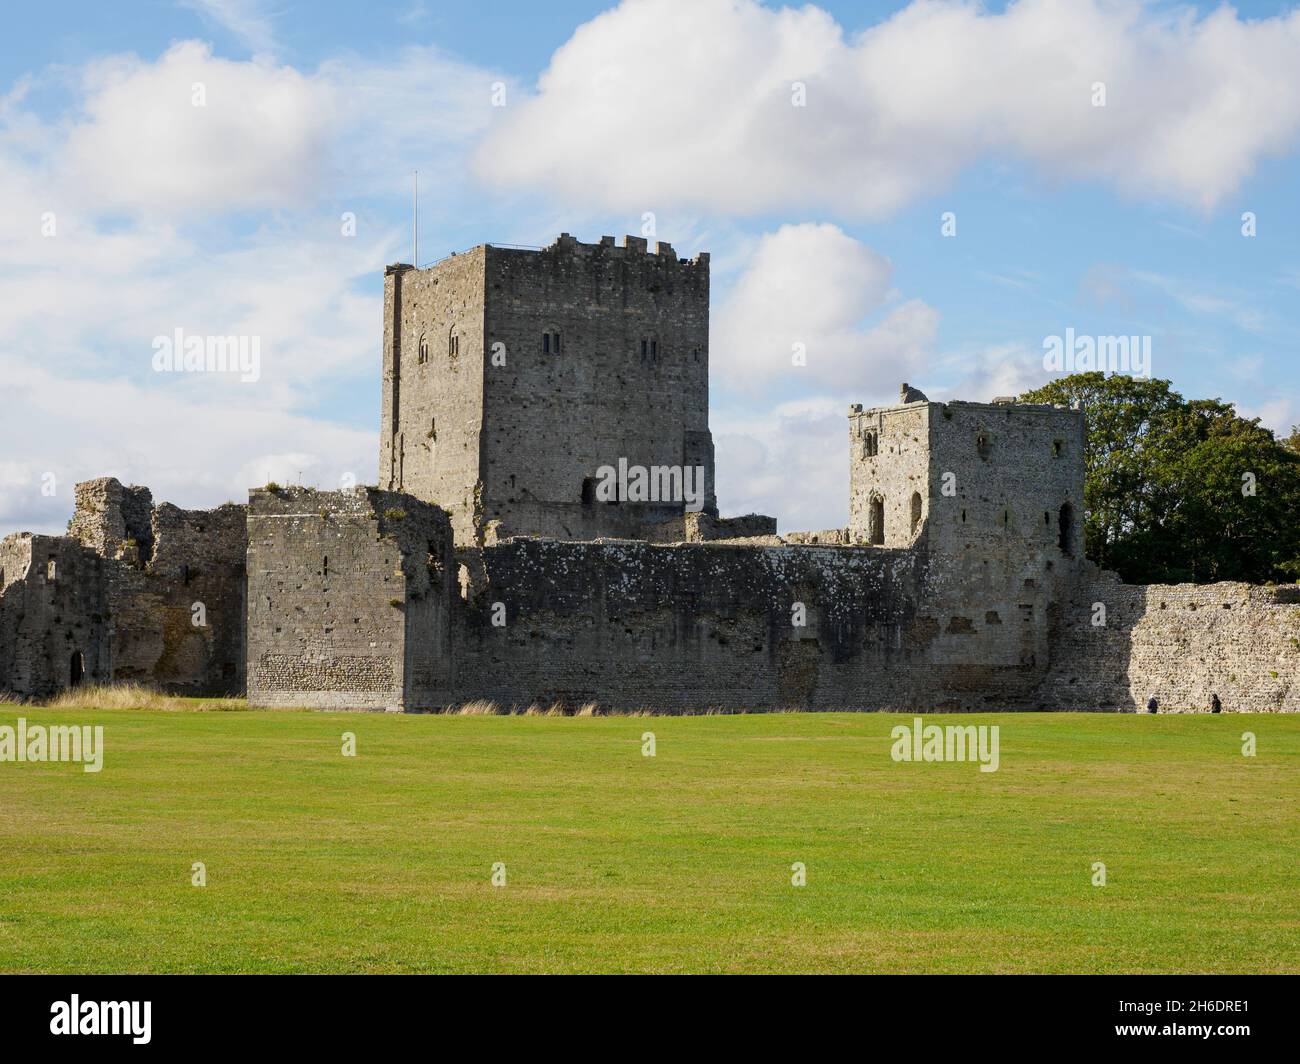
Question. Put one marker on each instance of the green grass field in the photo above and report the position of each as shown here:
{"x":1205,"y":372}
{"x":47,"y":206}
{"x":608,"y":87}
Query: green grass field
{"x":617,"y":862}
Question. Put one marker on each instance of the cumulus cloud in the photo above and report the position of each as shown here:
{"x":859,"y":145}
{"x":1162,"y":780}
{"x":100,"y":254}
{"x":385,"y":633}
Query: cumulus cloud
{"x":659,"y":102}
{"x":187,"y":448}
{"x":807,"y":290}
{"x":191,"y":134}
{"x":118,"y":228}
{"x":194,"y":131}
{"x":791,"y":462}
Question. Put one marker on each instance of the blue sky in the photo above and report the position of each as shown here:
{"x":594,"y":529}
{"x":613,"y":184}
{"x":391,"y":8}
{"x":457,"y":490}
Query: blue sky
{"x":823,"y":220}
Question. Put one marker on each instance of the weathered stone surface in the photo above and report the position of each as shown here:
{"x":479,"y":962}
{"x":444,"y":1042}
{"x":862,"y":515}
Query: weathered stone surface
{"x":1123,"y":644}
{"x":512,"y":376}
{"x":348,"y":597}
{"x":484,"y":569}
{"x":54,"y":623}
{"x":138,"y":592}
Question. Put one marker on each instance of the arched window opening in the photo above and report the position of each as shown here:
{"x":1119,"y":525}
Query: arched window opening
{"x":424,"y":349}
{"x":453,"y":343}
{"x":876,"y":521}
{"x":588,"y":491}
{"x":916,"y":511}
{"x":76,"y":669}
{"x":551,"y":341}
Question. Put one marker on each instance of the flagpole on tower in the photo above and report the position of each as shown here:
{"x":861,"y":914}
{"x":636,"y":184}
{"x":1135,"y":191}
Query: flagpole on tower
{"x":415,"y":218}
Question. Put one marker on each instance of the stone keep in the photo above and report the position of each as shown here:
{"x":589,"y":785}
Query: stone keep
{"x":511,"y":376}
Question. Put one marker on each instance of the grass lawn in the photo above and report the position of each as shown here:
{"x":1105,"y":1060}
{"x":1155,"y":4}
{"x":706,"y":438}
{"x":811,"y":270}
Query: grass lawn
{"x":679,"y":862}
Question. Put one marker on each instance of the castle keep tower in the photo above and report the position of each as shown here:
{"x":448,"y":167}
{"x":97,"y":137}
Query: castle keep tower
{"x":973,"y":477}
{"x":989,"y":499}
{"x":511,"y":377}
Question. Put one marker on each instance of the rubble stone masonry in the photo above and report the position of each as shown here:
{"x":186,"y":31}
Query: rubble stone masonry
{"x":485,"y":568}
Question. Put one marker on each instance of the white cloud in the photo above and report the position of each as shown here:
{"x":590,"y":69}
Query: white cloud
{"x":661,"y":103}
{"x":137,"y":185}
{"x":185,"y":447}
{"x":1280,"y":413}
{"x":981,"y":374}
{"x":791,"y":462}
{"x":813,"y":285}
{"x":190,"y":136}
{"x":258,"y":138}
{"x":246,"y":19}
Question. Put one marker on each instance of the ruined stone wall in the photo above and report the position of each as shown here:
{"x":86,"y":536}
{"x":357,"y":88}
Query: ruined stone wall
{"x":113,"y":520}
{"x":53,"y":615}
{"x":432,"y":405}
{"x":1124,"y":643}
{"x":688,"y":627}
{"x":693,"y":626}
{"x":179,"y":620}
{"x":340,"y":586}
{"x":141,"y":593}
{"x":705,"y":527}
{"x":630,"y":380}
{"x":173,"y":585}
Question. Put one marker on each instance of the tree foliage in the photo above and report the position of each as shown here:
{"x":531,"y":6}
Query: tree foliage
{"x":1181,"y":490}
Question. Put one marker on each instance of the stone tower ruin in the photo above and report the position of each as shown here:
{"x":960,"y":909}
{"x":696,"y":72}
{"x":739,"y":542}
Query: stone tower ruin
{"x":512,"y":376}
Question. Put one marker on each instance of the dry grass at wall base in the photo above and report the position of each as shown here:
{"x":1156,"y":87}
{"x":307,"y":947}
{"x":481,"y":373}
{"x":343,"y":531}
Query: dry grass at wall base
{"x":139,"y":696}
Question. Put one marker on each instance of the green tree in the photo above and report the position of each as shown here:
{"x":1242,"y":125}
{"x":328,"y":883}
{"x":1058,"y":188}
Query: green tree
{"x":1182,"y":490}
